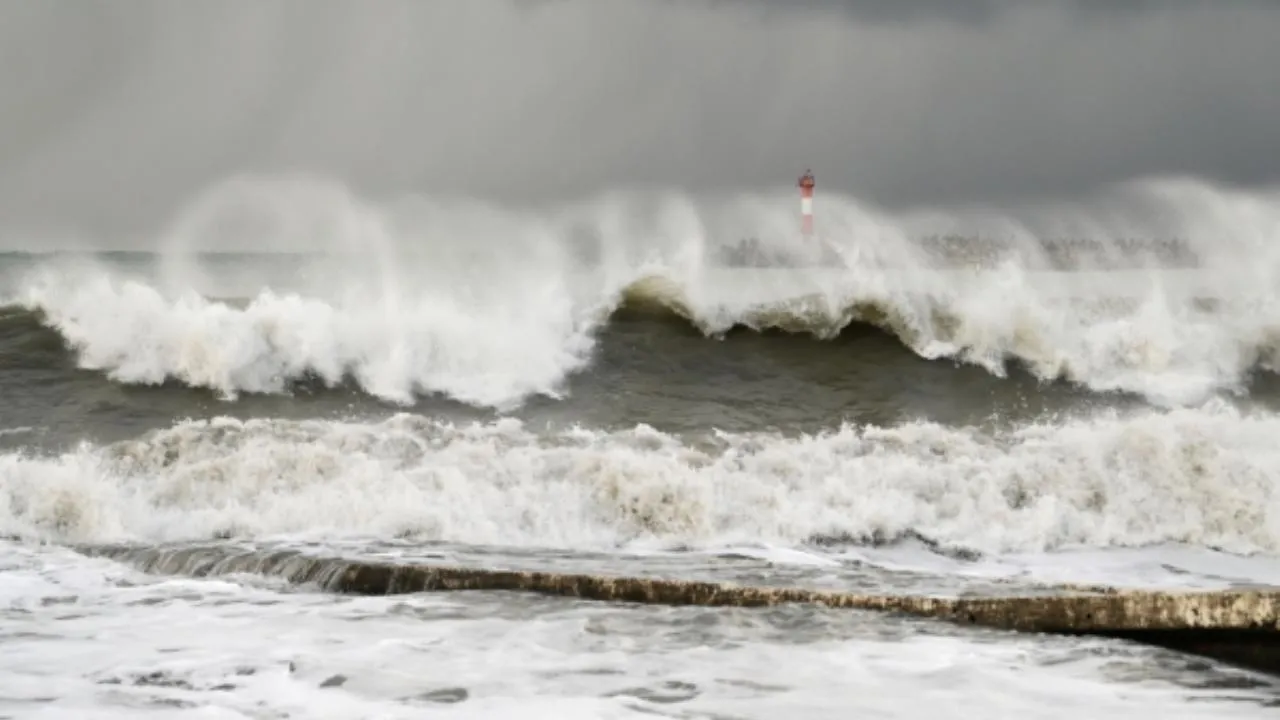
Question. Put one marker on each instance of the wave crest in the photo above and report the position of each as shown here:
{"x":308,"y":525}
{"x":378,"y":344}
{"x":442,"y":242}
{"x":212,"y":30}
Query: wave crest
{"x":1169,"y":344}
{"x":1172,"y":336}
{"x":490,"y":306}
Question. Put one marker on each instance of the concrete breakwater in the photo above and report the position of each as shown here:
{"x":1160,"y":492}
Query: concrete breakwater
{"x":1240,"y":627}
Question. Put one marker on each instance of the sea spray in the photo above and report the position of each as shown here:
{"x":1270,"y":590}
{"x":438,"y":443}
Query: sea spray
{"x":491,"y":305}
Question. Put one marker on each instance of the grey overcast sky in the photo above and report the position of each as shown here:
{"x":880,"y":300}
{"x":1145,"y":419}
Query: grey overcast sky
{"x":114,"y":113}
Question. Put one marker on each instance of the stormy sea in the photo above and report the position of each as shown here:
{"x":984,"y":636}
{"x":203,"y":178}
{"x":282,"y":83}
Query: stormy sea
{"x":1075,"y":395}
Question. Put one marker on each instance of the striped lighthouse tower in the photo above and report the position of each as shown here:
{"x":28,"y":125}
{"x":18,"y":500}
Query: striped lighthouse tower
{"x":806,"y":203}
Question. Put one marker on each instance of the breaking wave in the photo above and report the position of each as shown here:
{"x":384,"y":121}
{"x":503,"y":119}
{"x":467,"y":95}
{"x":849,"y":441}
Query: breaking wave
{"x":490,"y":306}
{"x":1202,"y":477}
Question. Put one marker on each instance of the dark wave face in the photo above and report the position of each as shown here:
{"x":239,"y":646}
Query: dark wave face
{"x":139,"y":340}
{"x":656,"y":370}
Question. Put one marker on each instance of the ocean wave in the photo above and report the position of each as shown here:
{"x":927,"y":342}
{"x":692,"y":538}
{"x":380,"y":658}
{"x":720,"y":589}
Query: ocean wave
{"x":490,"y":306}
{"x":1200,"y":477}
{"x":1144,"y":335}
{"x":1172,"y":337}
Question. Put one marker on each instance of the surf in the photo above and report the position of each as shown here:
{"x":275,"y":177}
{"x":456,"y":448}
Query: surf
{"x":1194,"y":476}
{"x":492,"y":305}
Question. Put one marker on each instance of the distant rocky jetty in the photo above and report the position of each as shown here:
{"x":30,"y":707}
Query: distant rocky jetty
{"x":1061,"y":252}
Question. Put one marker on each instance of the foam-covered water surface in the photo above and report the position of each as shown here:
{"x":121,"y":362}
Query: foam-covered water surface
{"x":90,"y":637}
{"x":1197,"y":477}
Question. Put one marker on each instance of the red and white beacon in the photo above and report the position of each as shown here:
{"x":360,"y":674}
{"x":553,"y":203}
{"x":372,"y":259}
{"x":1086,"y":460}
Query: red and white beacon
{"x":806,"y":203}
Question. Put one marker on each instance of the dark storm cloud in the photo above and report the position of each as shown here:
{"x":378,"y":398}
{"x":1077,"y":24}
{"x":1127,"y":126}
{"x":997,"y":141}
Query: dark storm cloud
{"x":889,"y":11}
{"x":1114,"y":8}
{"x":113,"y":114}
{"x":978,"y":11}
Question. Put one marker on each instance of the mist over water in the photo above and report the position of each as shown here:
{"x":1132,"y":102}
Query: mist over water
{"x":141,"y":105}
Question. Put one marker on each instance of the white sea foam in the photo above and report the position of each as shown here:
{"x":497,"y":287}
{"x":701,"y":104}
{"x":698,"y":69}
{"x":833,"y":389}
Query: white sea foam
{"x":1200,"y":477}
